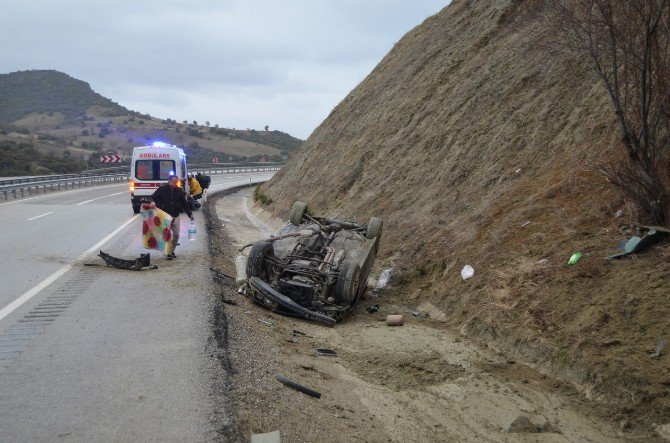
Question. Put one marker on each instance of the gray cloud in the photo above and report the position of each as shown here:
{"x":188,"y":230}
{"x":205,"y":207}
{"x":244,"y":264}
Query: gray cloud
{"x":236,"y":63}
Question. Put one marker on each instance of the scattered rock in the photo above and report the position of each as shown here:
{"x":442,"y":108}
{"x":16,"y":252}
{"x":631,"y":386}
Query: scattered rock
{"x":372,"y":309}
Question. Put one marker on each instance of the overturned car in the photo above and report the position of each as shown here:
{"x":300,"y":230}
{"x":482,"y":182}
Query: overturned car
{"x":316,"y":268}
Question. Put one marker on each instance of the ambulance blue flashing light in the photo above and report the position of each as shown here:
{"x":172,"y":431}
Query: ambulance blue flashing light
{"x":159,"y":144}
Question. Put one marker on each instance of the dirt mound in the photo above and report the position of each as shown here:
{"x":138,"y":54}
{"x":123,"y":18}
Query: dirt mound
{"x":477,"y":147}
{"x":406,"y":371}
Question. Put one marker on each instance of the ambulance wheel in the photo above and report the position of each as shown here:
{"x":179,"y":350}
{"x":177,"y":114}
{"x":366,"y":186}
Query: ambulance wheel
{"x":136,"y":209}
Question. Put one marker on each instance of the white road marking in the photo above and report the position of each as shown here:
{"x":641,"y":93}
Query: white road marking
{"x":40,"y":216}
{"x":56,"y":275}
{"x":60,"y":192}
{"x":98,"y":198}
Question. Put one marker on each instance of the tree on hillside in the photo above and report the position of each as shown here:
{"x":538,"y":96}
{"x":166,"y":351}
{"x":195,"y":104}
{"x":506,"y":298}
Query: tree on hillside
{"x":627,"y":44}
{"x":267,"y":128}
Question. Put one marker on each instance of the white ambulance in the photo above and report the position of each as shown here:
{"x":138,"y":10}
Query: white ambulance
{"x":150,"y":167}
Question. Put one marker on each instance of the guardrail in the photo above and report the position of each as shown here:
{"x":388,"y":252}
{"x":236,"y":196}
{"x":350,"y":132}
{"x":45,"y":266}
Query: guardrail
{"x":21,"y":189}
{"x":126,"y":170}
{"x":68,"y":181}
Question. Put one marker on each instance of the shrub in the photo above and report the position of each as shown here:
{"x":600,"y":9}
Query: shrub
{"x":260,"y":196}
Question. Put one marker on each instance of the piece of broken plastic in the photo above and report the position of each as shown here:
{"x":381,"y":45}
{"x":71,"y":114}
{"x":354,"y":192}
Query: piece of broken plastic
{"x":639,"y":244}
{"x":659,"y":348}
{"x":467,"y":272}
{"x":574,"y":259}
{"x":384,"y":278}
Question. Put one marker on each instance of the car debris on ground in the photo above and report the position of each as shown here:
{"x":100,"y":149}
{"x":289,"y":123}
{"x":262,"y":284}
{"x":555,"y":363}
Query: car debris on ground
{"x":467,"y":272}
{"x":659,"y":348}
{"x":137,"y":264}
{"x":268,"y":437}
{"x":298,"y":387}
{"x":372,"y":309}
{"x":574,"y":258}
{"x":395,"y":320}
{"x":384,"y":278}
{"x":636,"y":244}
{"x":326,"y":352}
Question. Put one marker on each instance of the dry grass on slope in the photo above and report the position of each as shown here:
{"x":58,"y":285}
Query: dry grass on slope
{"x":463,"y":133}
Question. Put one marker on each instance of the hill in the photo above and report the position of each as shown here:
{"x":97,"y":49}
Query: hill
{"x":62,"y":118}
{"x":26,"y":92}
{"x":477,"y":147}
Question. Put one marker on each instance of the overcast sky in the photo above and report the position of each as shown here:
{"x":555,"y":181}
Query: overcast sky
{"x":241,"y":64}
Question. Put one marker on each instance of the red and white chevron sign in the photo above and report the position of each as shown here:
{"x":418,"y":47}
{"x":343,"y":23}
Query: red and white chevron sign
{"x":110,"y":158}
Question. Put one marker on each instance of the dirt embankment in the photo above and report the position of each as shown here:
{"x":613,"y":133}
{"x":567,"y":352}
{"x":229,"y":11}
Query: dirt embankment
{"x":418,"y":382}
{"x":477,"y":147}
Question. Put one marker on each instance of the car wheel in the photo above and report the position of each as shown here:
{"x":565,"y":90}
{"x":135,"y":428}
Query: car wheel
{"x":256,"y":260}
{"x":346,"y":287}
{"x":297,"y":212}
{"x":374,"y":228}
{"x":136,"y":209}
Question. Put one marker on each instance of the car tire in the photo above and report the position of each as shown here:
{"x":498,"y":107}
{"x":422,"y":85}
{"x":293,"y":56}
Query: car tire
{"x":256,"y":260}
{"x":136,"y":209}
{"x":297,"y":212}
{"x":346,"y":288}
{"x":374,"y":228}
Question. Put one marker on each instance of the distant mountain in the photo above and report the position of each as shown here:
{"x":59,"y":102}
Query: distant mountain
{"x":69,"y":125}
{"x":26,"y":92}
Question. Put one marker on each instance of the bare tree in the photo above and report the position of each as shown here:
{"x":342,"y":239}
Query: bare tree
{"x":627,"y":43}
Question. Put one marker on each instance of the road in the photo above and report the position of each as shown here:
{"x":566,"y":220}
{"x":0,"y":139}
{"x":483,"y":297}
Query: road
{"x":90,"y":352}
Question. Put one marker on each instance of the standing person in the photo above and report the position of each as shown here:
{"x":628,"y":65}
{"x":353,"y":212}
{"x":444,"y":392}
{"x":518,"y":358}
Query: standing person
{"x":171,"y":198}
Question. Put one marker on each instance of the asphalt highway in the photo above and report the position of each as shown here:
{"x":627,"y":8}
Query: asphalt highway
{"x":97,"y":353}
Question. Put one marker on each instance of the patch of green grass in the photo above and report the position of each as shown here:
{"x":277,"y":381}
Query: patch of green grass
{"x":260,"y":196}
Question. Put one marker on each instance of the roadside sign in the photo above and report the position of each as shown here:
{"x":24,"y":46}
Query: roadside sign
{"x":110,"y":158}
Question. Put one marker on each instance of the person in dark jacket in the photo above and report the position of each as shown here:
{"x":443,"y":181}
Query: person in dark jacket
{"x":171,"y":198}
